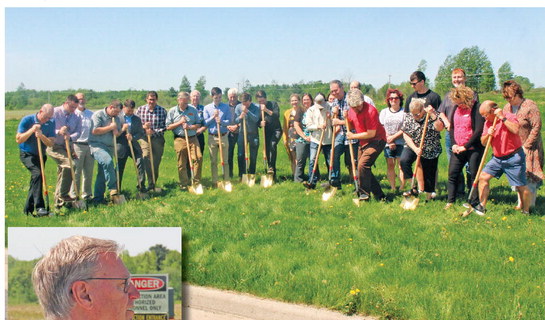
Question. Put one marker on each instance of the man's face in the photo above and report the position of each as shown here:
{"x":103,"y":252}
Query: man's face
{"x":354,"y":85}
{"x":232,"y":99}
{"x":109,"y":299}
{"x":82,"y":100}
{"x":113,"y":111}
{"x":152,"y":101}
{"x":418,"y":85}
{"x":336,"y":91}
{"x":43,"y":117}
{"x":458,"y":79}
{"x":183,"y":101}
{"x":217,"y":98}
{"x":70,"y":106}
{"x":261,"y":100}
{"x":246,"y":103}
{"x":195,"y":99}
{"x":128,"y":111}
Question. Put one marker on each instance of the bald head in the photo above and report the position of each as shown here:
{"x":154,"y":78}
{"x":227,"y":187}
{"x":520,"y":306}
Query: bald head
{"x":355,"y":85}
{"x":487,"y":109}
{"x":45,"y":113}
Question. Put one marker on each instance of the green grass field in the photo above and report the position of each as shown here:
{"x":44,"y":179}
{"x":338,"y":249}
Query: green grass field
{"x":376,"y":259}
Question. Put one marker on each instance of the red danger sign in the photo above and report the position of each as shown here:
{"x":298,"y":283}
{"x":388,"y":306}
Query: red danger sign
{"x":148,"y":283}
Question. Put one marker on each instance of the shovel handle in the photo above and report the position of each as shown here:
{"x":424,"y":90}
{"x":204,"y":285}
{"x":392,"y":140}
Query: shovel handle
{"x":421,"y":145}
{"x":352,"y":162}
{"x":483,"y":159}
{"x":42,"y":168}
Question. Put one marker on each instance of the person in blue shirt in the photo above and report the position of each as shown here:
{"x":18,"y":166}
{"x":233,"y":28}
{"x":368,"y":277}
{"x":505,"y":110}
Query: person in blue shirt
{"x":33,"y":127}
{"x":216,"y":113}
{"x":250,"y":112}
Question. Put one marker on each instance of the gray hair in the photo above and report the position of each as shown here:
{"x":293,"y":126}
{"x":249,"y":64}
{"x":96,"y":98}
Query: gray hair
{"x":417,"y":104}
{"x":195,"y":92}
{"x":72,"y":259}
{"x":232,"y":91}
{"x":183,"y":94}
{"x":355,"y":98}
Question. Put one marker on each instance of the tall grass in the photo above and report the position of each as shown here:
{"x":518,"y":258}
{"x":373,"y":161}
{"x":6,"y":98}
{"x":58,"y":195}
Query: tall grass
{"x":376,"y":259}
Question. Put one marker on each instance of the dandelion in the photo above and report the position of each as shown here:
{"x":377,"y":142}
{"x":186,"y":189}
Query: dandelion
{"x":504,"y":218}
{"x":533,"y":243}
{"x":357,"y":290}
{"x":508,"y":227}
{"x":511,"y":259}
{"x":353,"y":292}
{"x":381,"y":264}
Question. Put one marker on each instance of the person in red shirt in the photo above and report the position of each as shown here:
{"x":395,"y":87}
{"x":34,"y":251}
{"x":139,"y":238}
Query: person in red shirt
{"x":363,"y":119}
{"x":508,"y":155}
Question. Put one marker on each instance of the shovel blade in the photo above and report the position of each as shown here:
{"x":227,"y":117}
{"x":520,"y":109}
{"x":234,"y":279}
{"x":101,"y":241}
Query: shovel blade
{"x":142,"y":196}
{"x":329,"y":193}
{"x":409,"y":203}
{"x":118,"y":199}
{"x":227,"y":186}
{"x":248,"y":179}
{"x":80,"y":204}
{"x":467,"y":212}
{"x":196,"y":189}
{"x":266,"y":180}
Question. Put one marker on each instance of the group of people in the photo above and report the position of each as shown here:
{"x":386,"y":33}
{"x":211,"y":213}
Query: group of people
{"x":341,"y":123}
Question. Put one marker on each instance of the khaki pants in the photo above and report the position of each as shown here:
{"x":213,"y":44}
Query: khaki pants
{"x":64,"y":176}
{"x":84,"y":169}
{"x":158,"y":146}
{"x":180,"y":147}
{"x":213,"y":147}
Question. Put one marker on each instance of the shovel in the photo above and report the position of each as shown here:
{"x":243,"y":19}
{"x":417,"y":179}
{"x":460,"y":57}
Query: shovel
{"x":78,"y":203}
{"x":118,"y":198}
{"x":139,"y":195}
{"x":248,"y":179}
{"x":225,"y":185}
{"x":330,"y":190}
{"x":44,"y":183}
{"x":353,"y":164}
{"x":410,"y":202}
{"x":476,"y":180}
{"x":310,"y":184}
{"x":155,"y":189}
{"x":267,"y":180}
{"x":196,"y":188}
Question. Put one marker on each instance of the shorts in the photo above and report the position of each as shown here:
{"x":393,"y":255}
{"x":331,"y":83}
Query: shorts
{"x":514,"y":168}
{"x":393,"y":153}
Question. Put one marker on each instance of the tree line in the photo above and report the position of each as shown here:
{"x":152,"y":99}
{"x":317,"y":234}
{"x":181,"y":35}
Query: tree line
{"x":158,"y":259}
{"x":475,"y":62}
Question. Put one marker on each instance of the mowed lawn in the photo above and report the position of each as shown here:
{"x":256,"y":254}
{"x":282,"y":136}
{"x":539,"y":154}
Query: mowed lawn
{"x":376,"y":259}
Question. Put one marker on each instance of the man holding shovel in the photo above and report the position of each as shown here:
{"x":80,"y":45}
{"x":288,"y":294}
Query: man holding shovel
{"x":134,"y":132}
{"x":182,"y":119}
{"x":103,"y":128}
{"x":363,"y":117}
{"x":217,"y":114}
{"x":153,"y":117}
{"x":247,"y":112}
{"x":67,"y":126}
{"x":31,"y":128}
{"x":508,"y":158}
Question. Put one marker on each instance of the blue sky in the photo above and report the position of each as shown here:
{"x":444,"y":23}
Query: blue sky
{"x":152,"y":48}
{"x":32,"y":243}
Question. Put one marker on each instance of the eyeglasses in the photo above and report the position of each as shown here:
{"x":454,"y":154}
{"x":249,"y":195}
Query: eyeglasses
{"x":126,"y":286}
{"x":393,"y":98}
{"x":414,"y":83}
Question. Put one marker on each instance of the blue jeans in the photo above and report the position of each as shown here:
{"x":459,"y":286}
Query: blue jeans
{"x":339,"y":149}
{"x":253,"y":141}
{"x":105,"y":172}
{"x":326,"y":150}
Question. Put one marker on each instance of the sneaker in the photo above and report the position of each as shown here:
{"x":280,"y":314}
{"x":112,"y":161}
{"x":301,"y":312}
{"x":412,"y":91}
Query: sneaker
{"x":479,"y":209}
{"x":363,"y":197}
{"x":42,"y":212}
{"x":466,"y":205}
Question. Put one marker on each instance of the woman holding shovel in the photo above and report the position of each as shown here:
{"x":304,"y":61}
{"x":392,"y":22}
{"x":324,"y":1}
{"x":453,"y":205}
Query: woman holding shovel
{"x":317,"y":124}
{"x":466,"y":127}
{"x":413,"y":127}
{"x":302,"y":143}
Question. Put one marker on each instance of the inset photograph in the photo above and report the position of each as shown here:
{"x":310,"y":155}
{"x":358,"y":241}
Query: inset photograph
{"x":94,"y":273}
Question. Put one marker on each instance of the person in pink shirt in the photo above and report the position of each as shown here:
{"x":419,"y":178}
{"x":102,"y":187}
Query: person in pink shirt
{"x":465,"y":130}
{"x":508,"y":155}
{"x":364,"y":119}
